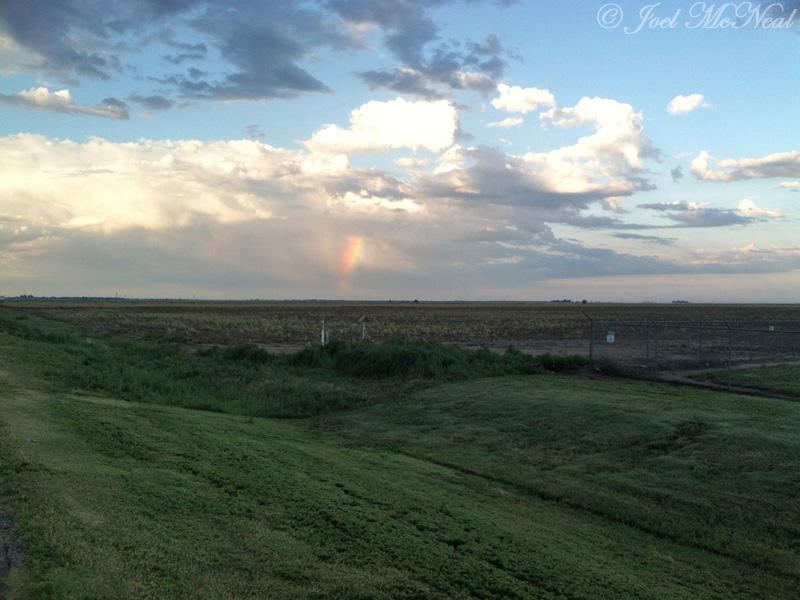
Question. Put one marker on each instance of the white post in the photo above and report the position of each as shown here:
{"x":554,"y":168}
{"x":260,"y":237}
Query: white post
{"x":364,"y":330}
{"x":323,"y":330}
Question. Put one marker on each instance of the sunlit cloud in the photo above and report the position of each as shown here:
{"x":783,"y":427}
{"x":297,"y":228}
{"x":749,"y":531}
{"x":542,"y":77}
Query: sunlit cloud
{"x":681,"y":105}
{"x":364,"y":201}
{"x":507,"y":123}
{"x":779,"y":164}
{"x":155,"y":184}
{"x":749,"y":209}
{"x":43,"y":99}
{"x":522,"y":100}
{"x":411,"y":162}
{"x":618,"y":138}
{"x":380,"y":126}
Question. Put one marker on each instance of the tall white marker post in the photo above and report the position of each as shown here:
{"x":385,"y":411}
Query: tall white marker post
{"x":363,"y":320}
{"x":323,"y":330}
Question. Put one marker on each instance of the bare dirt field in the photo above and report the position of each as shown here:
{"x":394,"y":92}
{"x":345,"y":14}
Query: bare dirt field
{"x":548,"y":325}
{"x":534,"y":327}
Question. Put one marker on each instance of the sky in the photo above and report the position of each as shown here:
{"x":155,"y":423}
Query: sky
{"x":401,"y":149}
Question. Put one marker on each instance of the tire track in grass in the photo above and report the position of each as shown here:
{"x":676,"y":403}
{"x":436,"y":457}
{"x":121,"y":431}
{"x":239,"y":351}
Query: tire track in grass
{"x":553,"y":498}
{"x":11,"y":550}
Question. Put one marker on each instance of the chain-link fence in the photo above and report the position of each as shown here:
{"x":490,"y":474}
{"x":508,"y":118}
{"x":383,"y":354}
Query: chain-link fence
{"x":655,"y":345}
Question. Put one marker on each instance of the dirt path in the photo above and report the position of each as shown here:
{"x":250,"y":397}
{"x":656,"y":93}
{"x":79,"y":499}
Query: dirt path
{"x":11,"y":553}
{"x":689,"y":377}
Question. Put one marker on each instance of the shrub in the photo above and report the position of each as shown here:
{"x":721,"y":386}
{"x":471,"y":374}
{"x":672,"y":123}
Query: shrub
{"x":420,"y":359}
{"x":247,"y":352}
{"x":561,"y":362}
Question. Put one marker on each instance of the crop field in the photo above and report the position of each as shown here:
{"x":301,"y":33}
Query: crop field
{"x":533,"y":327}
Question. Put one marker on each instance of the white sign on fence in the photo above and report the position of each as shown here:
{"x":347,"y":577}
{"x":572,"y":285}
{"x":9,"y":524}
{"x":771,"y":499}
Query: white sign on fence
{"x":610,"y":337}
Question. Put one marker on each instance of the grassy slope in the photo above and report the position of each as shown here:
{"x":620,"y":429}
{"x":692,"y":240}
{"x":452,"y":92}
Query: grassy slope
{"x":522,"y":487}
{"x":709,"y":470}
{"x":782,"y":379}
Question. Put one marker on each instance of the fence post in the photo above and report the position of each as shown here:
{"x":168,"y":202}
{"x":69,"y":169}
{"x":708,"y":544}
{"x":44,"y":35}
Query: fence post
{"x":730,"y":353}
{"x":655,"y":345}
{"x":700,"y":341}
{"x":591,"y":337}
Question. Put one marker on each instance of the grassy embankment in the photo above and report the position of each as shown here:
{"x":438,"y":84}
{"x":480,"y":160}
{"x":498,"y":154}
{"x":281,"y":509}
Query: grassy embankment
{"x":434,"y":485}
{"x":783,"y":379}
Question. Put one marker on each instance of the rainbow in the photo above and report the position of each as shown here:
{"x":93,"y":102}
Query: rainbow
{"x":354,"y":248}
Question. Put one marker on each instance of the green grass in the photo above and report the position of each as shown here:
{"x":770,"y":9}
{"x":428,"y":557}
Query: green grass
{"x":245,"y":379}
{"x":544,"y":486}
{"x":781,"y":379}
{"x":704,"y":469}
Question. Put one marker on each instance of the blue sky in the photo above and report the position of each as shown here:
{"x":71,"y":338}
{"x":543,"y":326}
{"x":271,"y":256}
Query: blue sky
{"x":376,"y":149}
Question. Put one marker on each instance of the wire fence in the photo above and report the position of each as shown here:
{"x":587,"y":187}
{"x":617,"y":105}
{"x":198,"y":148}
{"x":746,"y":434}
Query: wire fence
{"x":657,"y":345}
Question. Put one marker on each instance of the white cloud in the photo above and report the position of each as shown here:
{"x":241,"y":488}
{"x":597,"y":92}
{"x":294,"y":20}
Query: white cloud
{"x":561,"y":183}
{"x":507,"y":123}
{"x":248,"y":219}
{"x":364,"y":201}
{"x":780,"y":164}
{"x":42,"y":98}
{"x":680,"y":105}
{"x":596,"y":161}
{"x":411,"y":162}
{"x":105,"y":188}
{"x":77,"y":222}
{"x":381,"y":126}
{"x":788,"y":185}
{"x":748,"y":208}
{"x":522,"y":100}
{"x":455,"y":158}
{"x":149,"y":183}
{"x":316,"y":163}
{"x":219,"y":211}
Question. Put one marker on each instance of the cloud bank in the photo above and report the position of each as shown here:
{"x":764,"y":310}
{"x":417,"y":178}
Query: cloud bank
{"x":241,"y":50}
